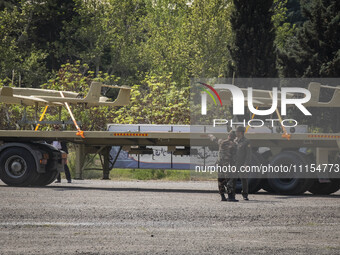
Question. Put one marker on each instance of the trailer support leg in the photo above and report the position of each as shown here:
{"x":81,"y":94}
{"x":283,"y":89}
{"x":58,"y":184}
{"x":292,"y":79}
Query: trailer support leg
{"x":80,"y":152}
{"x":321,"y":156}
{"x":106,"y":164}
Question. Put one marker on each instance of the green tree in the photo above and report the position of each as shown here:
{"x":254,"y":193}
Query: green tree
{"x":294,"y":15}
{"x":253,"y":51}
{"x":28,"y":31}
{"x":9,"y":4}
{"x":283,"y":28}
{"x":157,"y":100}
{"x":210,"y":34}
{"x":104,"y":34}
{"x":188,"y":39}
{"x":47,"y":23}
{"x":21,"y":62}
{"x":165,"y":46}
{"x":315,"y":50}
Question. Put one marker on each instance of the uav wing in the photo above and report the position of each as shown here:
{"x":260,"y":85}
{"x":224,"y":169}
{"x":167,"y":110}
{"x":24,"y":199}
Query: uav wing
{"x":29,"y":96}
{"x":9,"y":95}
{"x":315,"y":89}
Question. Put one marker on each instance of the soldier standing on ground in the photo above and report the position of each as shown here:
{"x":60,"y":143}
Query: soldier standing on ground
{"x":62,"y":146}
{"x":226,"y":156}
{"x":66,"y":168}
{"x":243,"y":157}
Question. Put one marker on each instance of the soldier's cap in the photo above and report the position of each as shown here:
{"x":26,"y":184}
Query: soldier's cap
{"x":232,"y":134}
{"x":240,"y":129}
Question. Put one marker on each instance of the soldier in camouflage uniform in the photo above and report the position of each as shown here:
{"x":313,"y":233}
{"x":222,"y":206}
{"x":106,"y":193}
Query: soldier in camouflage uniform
{"x":226,"y":155}
{"x":243,"y":157}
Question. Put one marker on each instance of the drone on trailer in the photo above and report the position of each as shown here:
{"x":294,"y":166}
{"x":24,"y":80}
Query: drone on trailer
{"x":44,"y":97}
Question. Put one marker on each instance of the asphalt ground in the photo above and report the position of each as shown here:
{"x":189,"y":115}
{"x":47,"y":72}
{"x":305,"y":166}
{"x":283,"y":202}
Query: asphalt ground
{"x":157,"y":217}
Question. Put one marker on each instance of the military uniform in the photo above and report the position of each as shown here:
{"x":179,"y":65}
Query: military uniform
{"x":243,"y":158}
{"x":63,"y":147}
{"x":226,"y":156}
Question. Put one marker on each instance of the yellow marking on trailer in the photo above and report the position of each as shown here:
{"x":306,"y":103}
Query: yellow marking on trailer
{"x":325,"y":136}
{"x":130,"y":134}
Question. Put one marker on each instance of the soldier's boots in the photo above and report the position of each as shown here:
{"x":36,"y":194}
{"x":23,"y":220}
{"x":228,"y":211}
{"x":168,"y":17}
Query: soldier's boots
{"x":231,"y":198}
{"x":223,"y":198}
{"x":245,"y":197}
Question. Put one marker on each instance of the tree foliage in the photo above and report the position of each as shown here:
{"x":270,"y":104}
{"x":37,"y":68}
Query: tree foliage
{"x":28,"y":32}
{"x":186,"y":40}
{"x":106,"y":35}
{"x":252,"y":50}
{"x":156,"y":101}
{"x":157,"y":46}
{"x":315,"y":50}
{"x":283,"y":25}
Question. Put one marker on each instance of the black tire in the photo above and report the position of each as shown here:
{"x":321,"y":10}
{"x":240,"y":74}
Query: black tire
{"x":254,"y":184}
{"x":18,"y":167}
{"x":266,"y":186}
{"x":266,"y":155}
{"x":289,"y":186}
{"x":46,"y":178}
{"x":325,"y":188}
{"x":51,"y":172}
{"x":265,"y":159}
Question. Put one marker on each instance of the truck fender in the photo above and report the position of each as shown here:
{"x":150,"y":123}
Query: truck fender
{"x":37,"y":155}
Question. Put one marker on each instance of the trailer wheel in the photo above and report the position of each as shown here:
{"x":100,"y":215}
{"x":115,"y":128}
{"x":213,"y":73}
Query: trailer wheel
{"x":325,"y":188}
{"x":267,"y":187}
{"x":289,"y":186}
{"x":46,"y":178}
{"x":254,"y":185}
{"x":265,"y":160}
{"x":17,"y":167}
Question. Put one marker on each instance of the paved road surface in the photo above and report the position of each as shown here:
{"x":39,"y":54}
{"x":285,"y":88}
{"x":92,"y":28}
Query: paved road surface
{"x":154,"y":217}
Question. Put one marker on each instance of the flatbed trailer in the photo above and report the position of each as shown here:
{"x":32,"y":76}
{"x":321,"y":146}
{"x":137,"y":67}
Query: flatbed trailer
{"x":100,"y":142}
{"x":26,"y":159}
{"x":156,"y":138}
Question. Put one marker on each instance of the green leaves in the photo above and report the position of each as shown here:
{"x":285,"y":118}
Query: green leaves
{"x":284,"y":30}
{"x":28,"y":31}
{"x":253,"y":49}
{"x":313,"y":50}
{"x":156,"y":101}
{"x":160,"y":45}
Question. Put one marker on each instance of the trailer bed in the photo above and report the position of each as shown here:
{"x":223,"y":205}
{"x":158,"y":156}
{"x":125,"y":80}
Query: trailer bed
{"x":155,"y":138}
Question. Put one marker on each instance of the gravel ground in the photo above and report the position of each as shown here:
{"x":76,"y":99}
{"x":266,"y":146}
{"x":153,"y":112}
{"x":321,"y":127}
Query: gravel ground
{"x":155,"y":217}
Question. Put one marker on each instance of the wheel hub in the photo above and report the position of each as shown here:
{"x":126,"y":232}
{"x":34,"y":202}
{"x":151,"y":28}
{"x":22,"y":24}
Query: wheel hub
{"x":15,"y":166}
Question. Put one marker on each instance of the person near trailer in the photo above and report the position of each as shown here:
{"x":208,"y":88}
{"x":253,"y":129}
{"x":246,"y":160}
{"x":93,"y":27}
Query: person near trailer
{"x":243,"y":157}
{"x":62,"y":146}
{"x":226,"y":156}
